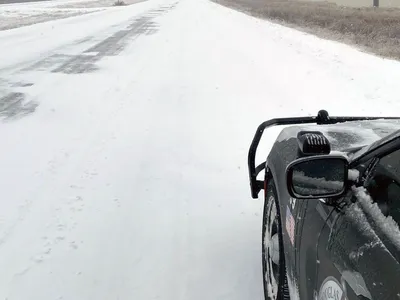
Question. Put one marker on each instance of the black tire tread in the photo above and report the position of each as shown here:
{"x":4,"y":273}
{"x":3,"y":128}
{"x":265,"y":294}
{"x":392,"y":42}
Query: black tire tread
{"x":283,"y":289}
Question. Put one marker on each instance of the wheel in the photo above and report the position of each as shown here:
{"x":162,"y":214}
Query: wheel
{"x":273,"y":258}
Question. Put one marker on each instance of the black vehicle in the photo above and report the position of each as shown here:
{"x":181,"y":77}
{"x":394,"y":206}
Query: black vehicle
{"x":332,"y":208}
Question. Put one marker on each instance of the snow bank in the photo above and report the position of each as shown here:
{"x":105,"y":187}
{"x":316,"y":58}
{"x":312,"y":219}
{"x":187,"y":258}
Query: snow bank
{"x":23,"y":14}
{"x":10,"y":19}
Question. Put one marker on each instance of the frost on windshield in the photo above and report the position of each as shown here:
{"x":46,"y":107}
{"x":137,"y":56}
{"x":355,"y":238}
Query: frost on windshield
{"x":355,"y":215}
{"x":388,"y":226}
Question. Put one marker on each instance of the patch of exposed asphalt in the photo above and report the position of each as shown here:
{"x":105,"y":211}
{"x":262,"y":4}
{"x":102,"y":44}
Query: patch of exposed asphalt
{"x":15,"y":104}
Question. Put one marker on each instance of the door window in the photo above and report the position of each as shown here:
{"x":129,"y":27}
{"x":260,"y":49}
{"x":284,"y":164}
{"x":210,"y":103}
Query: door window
{"x":384,"y":186}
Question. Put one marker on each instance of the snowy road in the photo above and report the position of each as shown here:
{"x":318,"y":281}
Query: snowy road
{"x":124,"y":140}
{"x":17,"y":1}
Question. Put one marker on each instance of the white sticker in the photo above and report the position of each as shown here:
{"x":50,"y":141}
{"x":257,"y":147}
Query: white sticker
{"x":331,"y":289}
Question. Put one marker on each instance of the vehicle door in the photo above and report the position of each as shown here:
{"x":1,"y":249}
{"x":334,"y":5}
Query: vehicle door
{"x":311,"y":216}
{"x":310,"y":220}
{"x":359,"y":246}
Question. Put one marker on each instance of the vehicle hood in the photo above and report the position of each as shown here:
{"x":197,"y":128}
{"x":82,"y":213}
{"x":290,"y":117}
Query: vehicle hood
{"x":348,"y":135}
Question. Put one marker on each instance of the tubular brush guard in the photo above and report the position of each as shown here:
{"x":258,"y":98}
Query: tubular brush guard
{"x":322,"y":118}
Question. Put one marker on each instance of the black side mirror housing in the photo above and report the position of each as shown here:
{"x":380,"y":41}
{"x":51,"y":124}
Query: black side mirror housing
{"x":315,"y":177}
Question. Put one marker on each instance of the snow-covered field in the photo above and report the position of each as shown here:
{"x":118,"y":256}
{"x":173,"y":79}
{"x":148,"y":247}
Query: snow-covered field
{"x":23,"y":14}
{"x":124,"y":145}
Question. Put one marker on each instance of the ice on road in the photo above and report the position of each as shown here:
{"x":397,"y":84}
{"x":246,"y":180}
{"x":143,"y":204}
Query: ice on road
{"x":124,"y":138}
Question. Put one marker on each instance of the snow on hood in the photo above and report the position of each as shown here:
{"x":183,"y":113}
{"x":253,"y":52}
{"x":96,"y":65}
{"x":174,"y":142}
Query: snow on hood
{"x":348,"y":134}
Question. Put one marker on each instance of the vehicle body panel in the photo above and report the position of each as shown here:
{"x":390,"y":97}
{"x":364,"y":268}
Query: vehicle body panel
{"x":328,"y":248}
{"x":350,"y":250}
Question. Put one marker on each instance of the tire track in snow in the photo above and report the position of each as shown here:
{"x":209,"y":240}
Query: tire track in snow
{"x":65,"y":212}
{"x":142,"y":25}
{"x":15,"y":104}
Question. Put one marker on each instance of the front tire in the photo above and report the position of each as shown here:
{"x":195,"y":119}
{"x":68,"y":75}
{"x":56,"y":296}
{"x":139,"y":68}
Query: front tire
{"x":273,"y":257}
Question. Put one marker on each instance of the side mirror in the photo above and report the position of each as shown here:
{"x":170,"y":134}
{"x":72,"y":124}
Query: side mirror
{"x":321,"y":176}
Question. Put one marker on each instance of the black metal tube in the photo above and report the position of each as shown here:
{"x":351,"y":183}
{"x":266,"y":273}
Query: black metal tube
{"x":257,"y":186}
